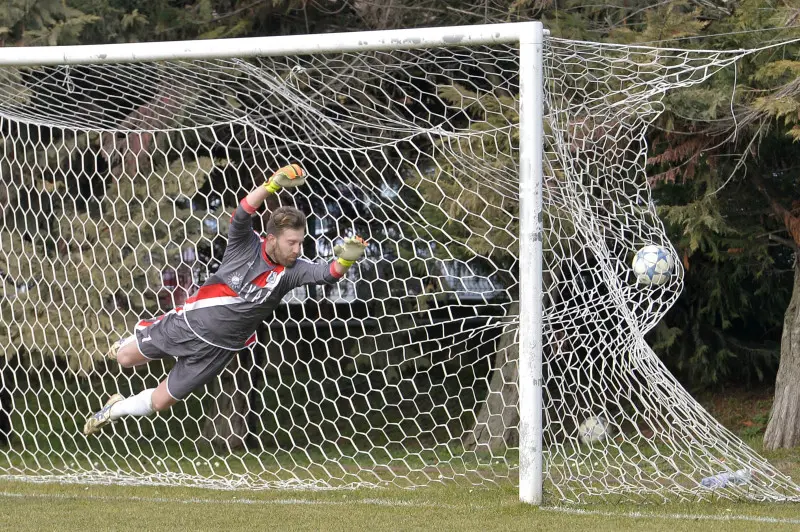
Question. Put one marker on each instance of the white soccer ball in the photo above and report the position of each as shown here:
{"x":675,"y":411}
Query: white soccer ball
{"x":653,"y":265}
{"x":593,"y":430}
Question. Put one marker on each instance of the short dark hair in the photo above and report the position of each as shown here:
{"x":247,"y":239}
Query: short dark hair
{"x":285,"y":218}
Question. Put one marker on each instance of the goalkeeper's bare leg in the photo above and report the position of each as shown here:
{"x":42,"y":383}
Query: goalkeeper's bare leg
{"x":158,"y":399}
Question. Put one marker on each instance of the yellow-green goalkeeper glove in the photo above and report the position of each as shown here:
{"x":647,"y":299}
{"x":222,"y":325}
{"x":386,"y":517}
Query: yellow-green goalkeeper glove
{"x":350,"y":251}
{"x":288,"y":176}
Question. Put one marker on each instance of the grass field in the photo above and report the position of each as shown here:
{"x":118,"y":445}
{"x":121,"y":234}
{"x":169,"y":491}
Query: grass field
{"x":36,"y":506}
{"x":25,"y":506}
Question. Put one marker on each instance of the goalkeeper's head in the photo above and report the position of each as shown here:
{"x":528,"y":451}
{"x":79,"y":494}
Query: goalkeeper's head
{"x":285,"y":232}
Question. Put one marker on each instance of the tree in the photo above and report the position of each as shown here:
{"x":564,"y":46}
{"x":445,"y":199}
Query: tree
{"x":42,"y":22}
{"x":743,"y":211}
{"x":736,"y":279}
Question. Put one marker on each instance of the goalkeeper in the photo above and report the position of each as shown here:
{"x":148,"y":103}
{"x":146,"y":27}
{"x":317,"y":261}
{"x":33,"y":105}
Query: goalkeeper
{"x":221,"y":318}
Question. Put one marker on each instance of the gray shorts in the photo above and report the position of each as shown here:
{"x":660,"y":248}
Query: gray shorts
{"x":196,"y":362}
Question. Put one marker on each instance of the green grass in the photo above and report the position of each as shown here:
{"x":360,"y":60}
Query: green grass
{"x":41,"y":506}
{"x":26,"y":506}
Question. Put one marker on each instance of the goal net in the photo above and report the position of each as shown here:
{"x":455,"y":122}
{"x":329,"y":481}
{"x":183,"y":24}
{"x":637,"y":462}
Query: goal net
{"x":117,"y":185}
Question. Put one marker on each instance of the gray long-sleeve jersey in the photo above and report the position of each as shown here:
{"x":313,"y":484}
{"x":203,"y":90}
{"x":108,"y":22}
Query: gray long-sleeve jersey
{"x":228,"y":308}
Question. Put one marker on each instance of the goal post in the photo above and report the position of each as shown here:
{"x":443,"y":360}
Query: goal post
{"x":531,"y":128}
{"x":493,"y":333}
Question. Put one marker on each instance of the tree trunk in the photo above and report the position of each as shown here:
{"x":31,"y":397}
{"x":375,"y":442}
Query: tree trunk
{"x":495,"y":426}
{"x":226,"y":426}
{"x":783,"y":429}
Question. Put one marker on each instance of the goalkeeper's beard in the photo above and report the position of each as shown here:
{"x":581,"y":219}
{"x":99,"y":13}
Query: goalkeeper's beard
{"x":275,"y":256}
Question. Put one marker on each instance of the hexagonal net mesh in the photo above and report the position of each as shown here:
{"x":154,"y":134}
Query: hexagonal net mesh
{"x":118,"y":185}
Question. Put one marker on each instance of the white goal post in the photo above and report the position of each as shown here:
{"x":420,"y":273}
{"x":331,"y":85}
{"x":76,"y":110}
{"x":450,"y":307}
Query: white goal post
{"x":499,"y":174}
{"x":531,"y":230}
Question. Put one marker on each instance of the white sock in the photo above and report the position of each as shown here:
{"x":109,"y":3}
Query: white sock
{"x":138,"y":405}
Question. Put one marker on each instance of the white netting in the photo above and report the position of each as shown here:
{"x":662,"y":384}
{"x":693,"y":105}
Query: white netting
{"x":117,"y":187}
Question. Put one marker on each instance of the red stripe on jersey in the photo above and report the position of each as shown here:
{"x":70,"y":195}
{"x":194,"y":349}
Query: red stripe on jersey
{"x":249,"y":209}
{"x":261,"y":280}
{"x":250,"y":340}
{"x":147,"y":323}
{"x":335,"y":272}
{"x":212,"y":290}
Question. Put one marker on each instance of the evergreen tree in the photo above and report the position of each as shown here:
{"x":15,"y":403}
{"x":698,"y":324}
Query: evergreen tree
{"x":724,"y":158}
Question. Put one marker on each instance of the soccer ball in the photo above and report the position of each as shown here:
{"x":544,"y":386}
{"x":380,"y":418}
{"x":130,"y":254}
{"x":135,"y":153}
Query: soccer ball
{"x":653,"y":265}
{"x":593,"y":430}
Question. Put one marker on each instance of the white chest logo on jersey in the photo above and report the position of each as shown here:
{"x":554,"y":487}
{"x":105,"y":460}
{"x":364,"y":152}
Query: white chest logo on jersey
{"x":234,"y":281}
{"x":271,"y":278}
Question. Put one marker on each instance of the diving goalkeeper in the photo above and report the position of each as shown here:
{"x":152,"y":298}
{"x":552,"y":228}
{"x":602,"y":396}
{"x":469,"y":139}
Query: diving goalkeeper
{"x":221,"y":318}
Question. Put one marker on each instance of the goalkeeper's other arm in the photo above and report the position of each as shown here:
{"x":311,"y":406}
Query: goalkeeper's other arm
{"x":348,"y":253}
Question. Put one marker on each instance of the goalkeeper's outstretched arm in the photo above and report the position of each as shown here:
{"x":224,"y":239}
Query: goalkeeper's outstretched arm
{"x":287,"y":177}
{"x":346,"y":254}
{"x":240,"y":231}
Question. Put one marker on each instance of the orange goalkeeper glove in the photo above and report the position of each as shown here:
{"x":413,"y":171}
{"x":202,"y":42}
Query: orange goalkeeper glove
{"x":288,"y":176}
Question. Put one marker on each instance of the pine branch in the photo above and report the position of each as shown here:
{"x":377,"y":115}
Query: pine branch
{"x":786,"y":242}
{"x":791,"y":222}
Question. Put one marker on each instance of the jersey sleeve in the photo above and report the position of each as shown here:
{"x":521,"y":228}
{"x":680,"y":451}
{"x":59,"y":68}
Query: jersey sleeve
{"x":306,"y":272}
{"x":240,"y":232}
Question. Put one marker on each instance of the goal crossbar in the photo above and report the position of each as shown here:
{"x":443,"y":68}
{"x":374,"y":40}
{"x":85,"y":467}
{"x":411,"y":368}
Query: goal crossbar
{"x":486,"y":34}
